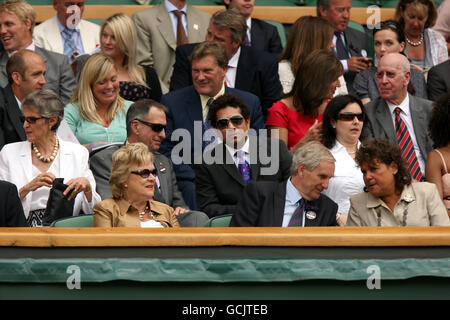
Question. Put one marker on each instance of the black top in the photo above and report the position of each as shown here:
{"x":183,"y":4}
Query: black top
{"x":132,"y":91}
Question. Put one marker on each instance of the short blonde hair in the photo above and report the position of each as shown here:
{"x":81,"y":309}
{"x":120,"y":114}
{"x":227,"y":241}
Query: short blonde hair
{"x":122,"y":160}
{"x":21,"y":9}
{"x":126,"y":38}
{"x":96,"y":69}
{"x":310,"y":154}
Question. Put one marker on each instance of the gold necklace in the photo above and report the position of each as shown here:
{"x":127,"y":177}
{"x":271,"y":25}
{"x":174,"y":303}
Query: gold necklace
{"x":52,"y":156}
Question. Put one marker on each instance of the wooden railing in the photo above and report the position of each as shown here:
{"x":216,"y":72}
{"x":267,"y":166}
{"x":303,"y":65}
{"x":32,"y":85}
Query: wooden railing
{"x":188,"y":237}
{"x":282,"y":14}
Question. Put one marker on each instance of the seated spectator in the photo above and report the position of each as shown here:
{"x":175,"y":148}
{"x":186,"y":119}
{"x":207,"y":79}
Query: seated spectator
{"x":17,"y":19}
{"x":438,"y":81}
{"x":297,"y":202}
{"x":344,"y":126}
{"x":297,"y":117}
{"x":132,"y":184}
{"x":437,"y":167}
{"x":32,"y":165}
{"x":306,"y":35}
{"x":389,"y":38}
{"x":443,"y":21}
{"x":11,"y":211}
{"x":97,"y":111}
{"x":425,"y":47}
{"x":118,"y":39}
{"x":239,"y":159}
{"x":391,"y":198}
{"x":146,"y":123}
{"x":65,"y":32}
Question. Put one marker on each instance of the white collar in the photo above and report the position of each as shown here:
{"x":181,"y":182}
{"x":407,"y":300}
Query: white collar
{"x":233,"y":62}
{"x":404,"y":106}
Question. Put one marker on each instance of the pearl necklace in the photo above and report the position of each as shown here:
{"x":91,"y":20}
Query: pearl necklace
{"x":142,"y":214}
{"x":52,"y":156}
{"x":415,"y":44}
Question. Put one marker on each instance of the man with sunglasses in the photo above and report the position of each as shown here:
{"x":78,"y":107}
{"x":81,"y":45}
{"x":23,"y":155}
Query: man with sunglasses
{"x":25,"y":71}
{"x":398,"y":116}
{"x":146,"y":123}
{"x":239,"y":159}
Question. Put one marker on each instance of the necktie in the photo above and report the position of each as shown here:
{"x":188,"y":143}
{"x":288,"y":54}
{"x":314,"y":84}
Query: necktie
{"x":247,"y":40}
{"x":206,"y":126}
{"x":297,"y":216}
{"x":157,"y":196}
{"x":69,"y":43}
{"x":181,"y":33}
{"x":243,"y":166}
{"x":341,"y":51}
{"x":407,"y":147}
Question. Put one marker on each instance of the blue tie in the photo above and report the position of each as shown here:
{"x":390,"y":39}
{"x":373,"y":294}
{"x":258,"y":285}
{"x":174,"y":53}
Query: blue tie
{"x":69,"y":43}
{"x":206,"y":126}
{"x":243,"y":166}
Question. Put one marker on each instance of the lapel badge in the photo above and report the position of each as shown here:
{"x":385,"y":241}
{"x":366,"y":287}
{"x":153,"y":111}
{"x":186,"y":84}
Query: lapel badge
{"x":195,"y":26}
{"x":311,"y":215}
{"x":408,"y":198}
{"x":161,"y":167}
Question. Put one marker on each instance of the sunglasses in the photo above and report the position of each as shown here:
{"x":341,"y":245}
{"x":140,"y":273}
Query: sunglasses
{"x":145,"y":173}
{"x":349,"y":116}
{"x":30,"y":120}
{"x":155,"y":126}
{"x":235,"y":120}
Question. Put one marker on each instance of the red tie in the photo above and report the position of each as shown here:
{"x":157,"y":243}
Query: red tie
{"x":407,"y":147}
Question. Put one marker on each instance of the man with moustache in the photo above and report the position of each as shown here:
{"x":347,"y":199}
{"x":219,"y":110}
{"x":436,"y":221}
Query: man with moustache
{"x":295,"y":202}
{"x":398,"y":116}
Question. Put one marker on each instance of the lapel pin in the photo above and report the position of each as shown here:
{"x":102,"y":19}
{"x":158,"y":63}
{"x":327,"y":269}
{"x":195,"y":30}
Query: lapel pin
{"x":195,"y":26}
{"x":161,"y":167}
{"x":311,"y":215}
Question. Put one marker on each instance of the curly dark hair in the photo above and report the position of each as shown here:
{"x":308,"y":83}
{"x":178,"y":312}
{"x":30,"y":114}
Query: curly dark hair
{"x":385,"y":152}
{"x":438,"y":127}
{"x":227,"y":100}
{"x":331,"y":113}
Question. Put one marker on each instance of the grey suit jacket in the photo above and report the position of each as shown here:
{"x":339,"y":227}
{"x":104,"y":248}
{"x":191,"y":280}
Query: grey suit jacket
{"x":382,"y":126}
{"x":100,"y":161}
{"x":59,"y":75}
{"x":156,"y":42}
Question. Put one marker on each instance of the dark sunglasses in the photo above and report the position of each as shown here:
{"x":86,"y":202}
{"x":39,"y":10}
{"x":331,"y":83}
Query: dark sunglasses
{"x":349,"y":116}
{"x":145,"y":173}
{"x":235,"y":120}
{"x":30,"y":120}
{"x":155,"y":126}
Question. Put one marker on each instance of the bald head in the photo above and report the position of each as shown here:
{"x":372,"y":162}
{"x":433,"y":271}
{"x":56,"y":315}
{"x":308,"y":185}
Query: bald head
{"x":393,"y":76}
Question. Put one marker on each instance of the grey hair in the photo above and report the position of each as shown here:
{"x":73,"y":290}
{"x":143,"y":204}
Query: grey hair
{"x":310,"y":154}
{"x":47,"y":104}
{"x":324,"y":4}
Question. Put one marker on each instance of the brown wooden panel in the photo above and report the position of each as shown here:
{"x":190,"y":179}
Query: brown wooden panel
{"x":302,"y":237}
{"x":283,"y":14}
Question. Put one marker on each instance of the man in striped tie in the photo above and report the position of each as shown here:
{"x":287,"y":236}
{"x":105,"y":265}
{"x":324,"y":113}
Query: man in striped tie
{"x":400,"y":117}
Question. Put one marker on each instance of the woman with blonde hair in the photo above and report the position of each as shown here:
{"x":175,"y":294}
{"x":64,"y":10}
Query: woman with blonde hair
{"x":306,"y":35}
{"x":132,"y":183}
{"x":118,"y":41}
{"x":96,"y":111}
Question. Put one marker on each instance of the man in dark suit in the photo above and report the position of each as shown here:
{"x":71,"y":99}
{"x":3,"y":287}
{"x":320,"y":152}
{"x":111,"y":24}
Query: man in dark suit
{"x":438,"y":81}
{"x":297,"y":202}
{"x":249,"y":69}
{"x":146,"y":123}
{"x":188,"y":110}
{"x":220,"y":184}
{"x":351,"y":45}
{"x":25,"y":70}
{"x":11,"y":211}
{"x":396,"y":107}
{"x":260,"y":34}
{"x":17,"y":19}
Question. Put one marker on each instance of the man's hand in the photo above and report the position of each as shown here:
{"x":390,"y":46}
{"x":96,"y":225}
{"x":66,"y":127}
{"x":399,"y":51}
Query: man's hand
{"x":357,"y":64}
{"x":180,"y":210}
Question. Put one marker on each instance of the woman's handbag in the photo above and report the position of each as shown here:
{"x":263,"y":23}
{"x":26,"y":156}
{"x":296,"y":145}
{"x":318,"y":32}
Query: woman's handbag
{"x":57,"y":205}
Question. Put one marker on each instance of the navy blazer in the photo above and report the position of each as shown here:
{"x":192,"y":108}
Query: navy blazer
{"x":262,"y":205}
{"x":265,"y":37}
{"x":185,"y":108}
{"x":257,"y":72}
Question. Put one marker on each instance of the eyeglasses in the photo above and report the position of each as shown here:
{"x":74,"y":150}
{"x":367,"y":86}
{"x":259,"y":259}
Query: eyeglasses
{"x":155,"y":126}
{"x":145,"y":173}
{"x":349,"y":116}
{"x":235,"y":120}
{"x":30,"y":120}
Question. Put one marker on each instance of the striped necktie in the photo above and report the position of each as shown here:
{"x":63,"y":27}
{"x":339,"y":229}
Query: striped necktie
{"x":297,"y":216}
{"x":341,"y":51}
{"x":407,"y":147}
{"x":69,"y":43}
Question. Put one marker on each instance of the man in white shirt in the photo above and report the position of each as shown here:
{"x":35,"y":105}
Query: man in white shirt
{"x":66,"y":33}
{"x":395,"y":109}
